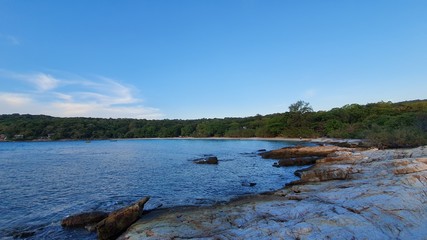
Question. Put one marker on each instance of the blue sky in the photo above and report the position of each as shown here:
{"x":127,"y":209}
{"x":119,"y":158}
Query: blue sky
{"x":207,"y":58}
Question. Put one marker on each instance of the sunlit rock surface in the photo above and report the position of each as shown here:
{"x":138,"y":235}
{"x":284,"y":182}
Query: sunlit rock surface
{"x":374,"y":194}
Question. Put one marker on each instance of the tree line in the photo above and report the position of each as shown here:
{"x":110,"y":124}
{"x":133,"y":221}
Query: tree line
{"x":384,"y":124}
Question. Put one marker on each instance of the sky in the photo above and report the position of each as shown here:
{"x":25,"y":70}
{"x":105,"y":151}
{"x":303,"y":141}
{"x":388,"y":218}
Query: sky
{"x":190,"y":59}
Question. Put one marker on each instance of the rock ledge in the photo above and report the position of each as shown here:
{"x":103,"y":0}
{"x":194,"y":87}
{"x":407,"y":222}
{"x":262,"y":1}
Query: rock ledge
{"x":373,"y":194}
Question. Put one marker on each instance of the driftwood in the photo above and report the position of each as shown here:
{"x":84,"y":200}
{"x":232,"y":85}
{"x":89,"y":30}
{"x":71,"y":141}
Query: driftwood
{"x":118,"y":221}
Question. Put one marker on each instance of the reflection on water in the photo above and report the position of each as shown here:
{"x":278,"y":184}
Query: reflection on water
{"x":42,"y":182}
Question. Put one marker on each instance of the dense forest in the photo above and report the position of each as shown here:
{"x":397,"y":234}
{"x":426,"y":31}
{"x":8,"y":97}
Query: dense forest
{"x":384,"y":124}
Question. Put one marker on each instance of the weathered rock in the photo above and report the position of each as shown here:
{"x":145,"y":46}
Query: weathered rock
{"x":299,"y":172}
{"x":300,"y":156}
{"x":83,"y":219}
{"x":405,"y":167}
{"x":327,"y":173}
{"x":207,"y":160}
{"x":118,"y":221}
{"x":301,"y":152}
{"x":364,"y":195}
{"x":301,"y":161}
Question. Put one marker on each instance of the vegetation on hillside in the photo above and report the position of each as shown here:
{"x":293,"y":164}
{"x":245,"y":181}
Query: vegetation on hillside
{"x":384,"y":124}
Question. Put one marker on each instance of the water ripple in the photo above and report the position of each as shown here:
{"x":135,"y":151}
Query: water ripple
{"x":41,"y":183}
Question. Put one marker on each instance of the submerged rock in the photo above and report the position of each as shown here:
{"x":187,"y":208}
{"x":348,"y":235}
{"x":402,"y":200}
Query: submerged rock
{"x":24,"y":234}
{"x":207,"y":160}
{"x":248,"y":184}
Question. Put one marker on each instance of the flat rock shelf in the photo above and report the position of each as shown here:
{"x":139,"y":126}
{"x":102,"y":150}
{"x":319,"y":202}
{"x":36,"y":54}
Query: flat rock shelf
{"x":349,"y":194}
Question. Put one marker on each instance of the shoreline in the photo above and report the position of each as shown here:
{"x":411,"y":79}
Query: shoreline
{"x":314,"y":140}
{"x":350,"y":194}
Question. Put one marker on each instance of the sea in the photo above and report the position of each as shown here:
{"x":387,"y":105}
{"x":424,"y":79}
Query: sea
{"x":43,"y":182}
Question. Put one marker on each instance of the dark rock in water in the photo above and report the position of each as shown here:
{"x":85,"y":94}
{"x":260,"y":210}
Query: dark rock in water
{"x":207,"y":160}
{"x":24,"y":234}
{"x":298,"y":173}
{"x":83,"y":219}
{"x":261,"y":150}
{"x":248,"y":184}
{"x":118,"y":221}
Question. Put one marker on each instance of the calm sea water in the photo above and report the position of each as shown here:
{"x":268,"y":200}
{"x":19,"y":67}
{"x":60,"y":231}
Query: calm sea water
{"x":42,"y":182}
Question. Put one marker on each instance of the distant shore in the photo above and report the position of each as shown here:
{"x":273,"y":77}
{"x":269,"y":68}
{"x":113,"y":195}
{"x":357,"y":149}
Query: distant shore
{"x":315,"y":140}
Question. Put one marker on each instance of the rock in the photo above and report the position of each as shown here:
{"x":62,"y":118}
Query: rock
{"x":299,"y":172}
{"x":261,"y":150}
{"x":207,"y":160}
{"x":26,"y":234}
{"x":248,"y":184}
{"x":327,"y":173}
{"x":83,"y":219}
{"x":410,"y":166}
{"x":118,"y":221}
{"x":301,"y":152}
{"x":300,"y":156}
{"x":302,"y":161}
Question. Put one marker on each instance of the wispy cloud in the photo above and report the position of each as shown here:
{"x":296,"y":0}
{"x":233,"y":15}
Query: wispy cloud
{"x":9,"y":39}
{"x":44,"y":82}
{"x":14,"y":100}
{"x":39,"y":81}
{"x":13,"y":40}
{"x":309,"y":93}
{"x":73,"y":97}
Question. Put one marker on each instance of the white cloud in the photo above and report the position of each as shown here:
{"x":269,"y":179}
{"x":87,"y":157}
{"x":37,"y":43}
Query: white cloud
{"x":38,"y":81}
{"x":51,"y":95}
{"x":44,"y":82}
{"x":14,"y":100}
{"x":64,"y":97}
{"x":103,"y":111}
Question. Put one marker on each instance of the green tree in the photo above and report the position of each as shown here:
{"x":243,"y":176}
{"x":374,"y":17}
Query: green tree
{"x":300,"y":107}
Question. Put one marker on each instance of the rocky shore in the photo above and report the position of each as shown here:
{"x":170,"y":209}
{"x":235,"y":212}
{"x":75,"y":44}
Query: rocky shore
{"x":346,"y":194}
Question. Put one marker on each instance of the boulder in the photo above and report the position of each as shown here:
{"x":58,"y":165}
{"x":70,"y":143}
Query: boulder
{"x":119,"y":221}
{"x":83,"y":219}
{"x":207,"y":160}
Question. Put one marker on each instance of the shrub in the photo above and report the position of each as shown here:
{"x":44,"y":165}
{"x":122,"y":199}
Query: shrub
{"x":396,"y":138}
